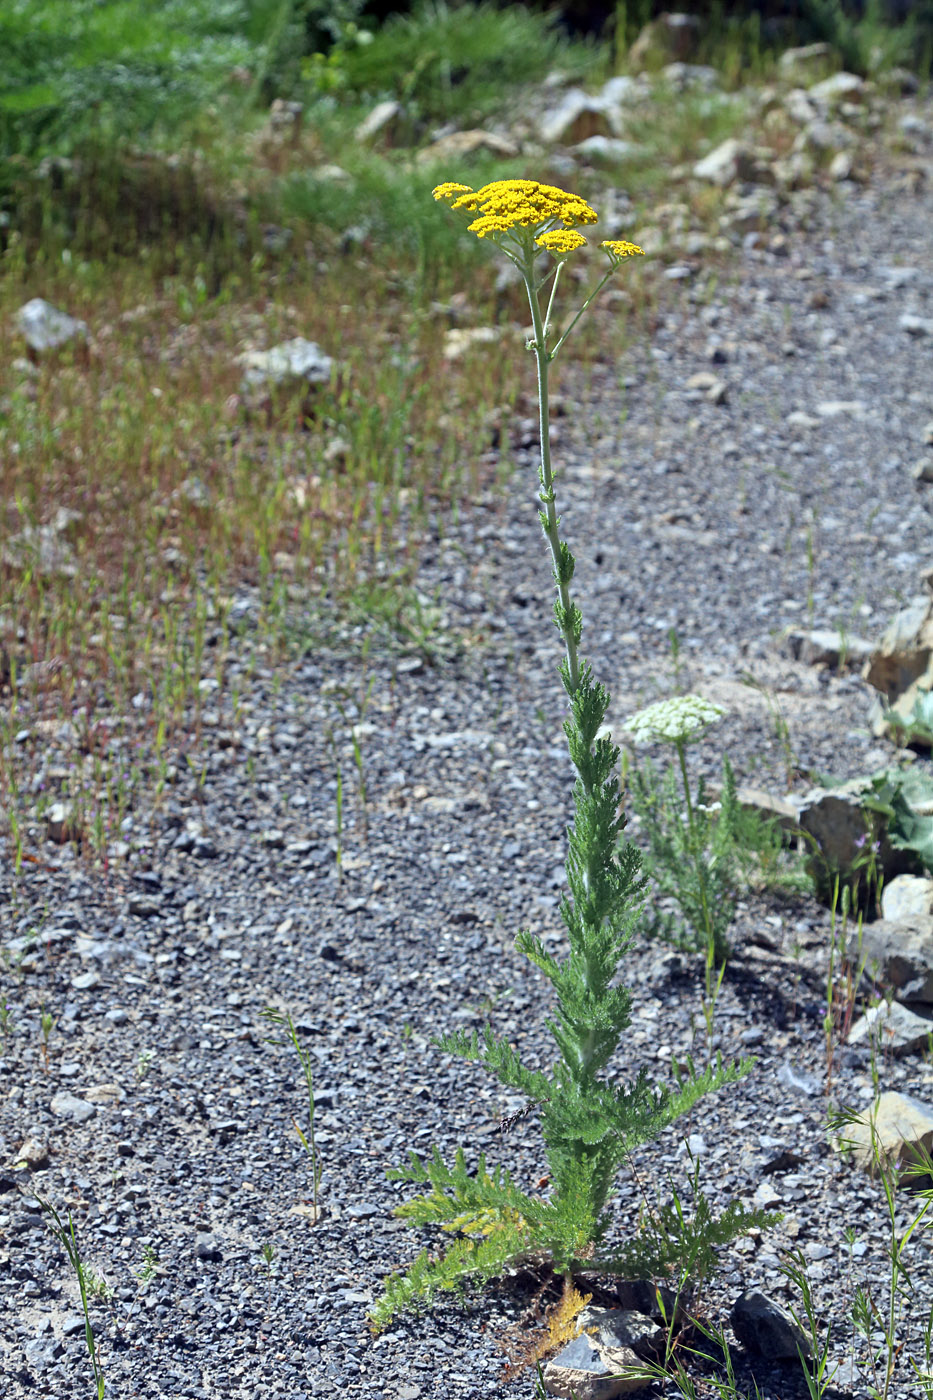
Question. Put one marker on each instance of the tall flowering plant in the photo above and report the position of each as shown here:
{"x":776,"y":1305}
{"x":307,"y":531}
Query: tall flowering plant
{"x":591,"y":1119}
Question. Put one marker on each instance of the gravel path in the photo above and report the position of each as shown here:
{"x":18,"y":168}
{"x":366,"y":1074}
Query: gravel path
{"x":163,"y":1119}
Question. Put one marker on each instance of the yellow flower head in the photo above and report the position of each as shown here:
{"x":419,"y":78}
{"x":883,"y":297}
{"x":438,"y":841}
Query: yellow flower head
{"x":561,"y":241}
{"x":505,"y":205}
{"x":488,"y":224}
{"x":449,"y":190}
{"x":617,"y":248}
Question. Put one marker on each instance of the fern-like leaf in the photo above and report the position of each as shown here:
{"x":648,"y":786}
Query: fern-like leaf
{"x":464,"y":1260}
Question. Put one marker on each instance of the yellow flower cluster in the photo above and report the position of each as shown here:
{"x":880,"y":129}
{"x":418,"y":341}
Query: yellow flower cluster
{"x":618,"y":248}
{"x":561,"y":241}
{"x":509,"y":204}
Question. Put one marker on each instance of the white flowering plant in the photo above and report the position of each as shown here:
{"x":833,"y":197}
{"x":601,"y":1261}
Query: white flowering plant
{"x":691,"y":844}
{"x":592,"y":1116}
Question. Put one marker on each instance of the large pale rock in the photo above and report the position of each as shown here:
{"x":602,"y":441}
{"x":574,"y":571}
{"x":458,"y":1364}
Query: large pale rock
{"x":798,"y":107}
{"x":463,"y":338}
{"x":901,"y":667}
{"x":588,"y":1371}
{"x":766,"y":1328}
{"x":805,"y":59}
{"x":624,"y":1327}
{"x":730,"y":161}
{"x":771,"y":808}
{"x":682,"y":76}
{"x":904,"y":651}
{"x":44,"y":327}
{"x":892,"y":1028}
{"x":823,"y":138}
{"x":575,"y":119}
{"x":823,"y":647}
{"x":458,"y":144}
{"x":32,"y":1154}
{"x":60,"y":823}
{"x":285,"y":366}
{"x":903,"y":1133}
{"x":915,"y":325}
{"x":900,"y":954}
{"x":623,"y":91}
{"x":383,"y":123}
{"x":841,"y":87}
{"x":607,"y":150}
{"x":41,"y":548}
{"x":671,"y":38}
{"x":65,"y":1105}
{"x":906,"y":896}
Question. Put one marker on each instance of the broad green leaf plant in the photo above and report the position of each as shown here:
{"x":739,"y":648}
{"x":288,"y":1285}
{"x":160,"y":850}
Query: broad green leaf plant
{"x":591,"y":1119}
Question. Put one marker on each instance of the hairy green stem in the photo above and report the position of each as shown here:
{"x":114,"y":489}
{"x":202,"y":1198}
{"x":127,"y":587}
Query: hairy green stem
{"x":692,"y":827}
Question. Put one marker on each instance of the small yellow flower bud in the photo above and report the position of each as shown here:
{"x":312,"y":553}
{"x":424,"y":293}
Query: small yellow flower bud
{"x":449,"y":190}
{"x":618,"y":248}
{"x":561,"y":241}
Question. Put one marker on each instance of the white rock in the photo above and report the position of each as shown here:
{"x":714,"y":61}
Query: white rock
{"x":44,"y":327}
{"x":42,"y":549}
{"x":576,"y":118}
{"x":709,"y":384}
{"x":380,"y":122}
{"x":461,"y":339}
{"x":622,"y":91}
{"x":916,"y":325}
{"x":822,"y":137}
{"x":841,"y":408}
{"x":65,"y":1105}
{"x":458,"y":144}
{"x":335,"y":173}
{"x":809,"y":56}
{"x":841,"y":87}
{"x":730,"y":161}
{"x":669,"y":38}
{"x":607,"y":150}
{"x":841,"y":166}
{"x":589,"y":1372}
{"x":900,"y":954}
{"x":685,"y":75}
{"x":59,"y":823}
{"x":288,"y":363}
{"x":824,"y":647}
{"x":799,"y":419}
{"x":907,"y":895}
{"x":902,"y":1125}
{"x":892,"y":1028}
{"x":798,"y":107}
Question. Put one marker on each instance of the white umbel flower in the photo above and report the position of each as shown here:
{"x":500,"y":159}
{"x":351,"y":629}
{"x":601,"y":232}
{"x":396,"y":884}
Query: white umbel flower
{"x":674,"y":721}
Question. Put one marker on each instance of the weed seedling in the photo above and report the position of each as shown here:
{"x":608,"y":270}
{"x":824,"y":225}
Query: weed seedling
{"x":814,"y":1359}
{"x":270,"y":1266}
{"x":46,"y":1026}
{"x":284,"y":1019}
{"x":89,"y":1284}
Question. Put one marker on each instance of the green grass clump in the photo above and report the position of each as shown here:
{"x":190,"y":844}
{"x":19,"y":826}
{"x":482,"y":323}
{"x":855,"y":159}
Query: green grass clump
{"x":70,"y":69}
{"x":456,"y":61}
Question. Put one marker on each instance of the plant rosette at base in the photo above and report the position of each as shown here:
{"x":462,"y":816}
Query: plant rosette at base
{"x":591,"y":1119}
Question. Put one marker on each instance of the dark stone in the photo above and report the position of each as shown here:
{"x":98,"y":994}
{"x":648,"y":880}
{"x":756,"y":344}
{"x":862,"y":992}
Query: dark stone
{"x":768,"y":1329}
